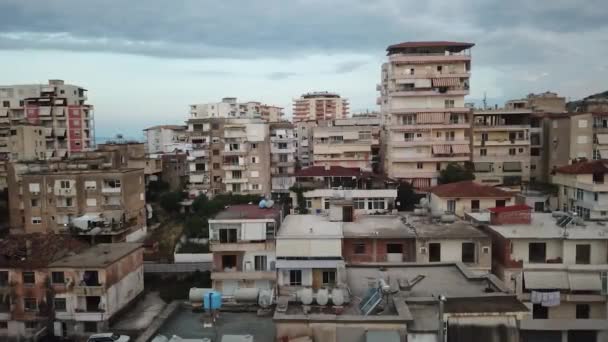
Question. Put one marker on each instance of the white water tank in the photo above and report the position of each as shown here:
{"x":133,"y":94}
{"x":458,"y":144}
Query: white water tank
{"x":322,"y":297}
{"x":337,"y":297}
{"x":448,"y":218}
{"x":246,"y":294}
{"x":306,"y":296}
{"x":196,"y":294}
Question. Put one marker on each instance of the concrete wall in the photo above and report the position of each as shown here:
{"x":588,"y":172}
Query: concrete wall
{"x":330,"y":247}
{"x":451,"y":251}
{"x":439,"y":205}
{"x":520,"y":249}
{"x":376,"y":249}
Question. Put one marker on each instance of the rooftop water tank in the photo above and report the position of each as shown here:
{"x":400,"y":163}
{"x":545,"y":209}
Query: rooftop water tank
{"x":306,"y":296}
{"x":265,"y":298}
{"x":196,"y":294}
{"x":212,"y":300}
{"x":246,"y":294}
{"x":337,"y":297}
{"x":262,"y":204}
{"x":322,"y":297}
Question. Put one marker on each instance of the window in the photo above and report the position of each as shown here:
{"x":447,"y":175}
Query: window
{"x":583,"y":254}
{"x":539,"y":311}
{"x":216,"y":166}
{"x":29,"y":278}
{"x":595,"y":196}
{"x":255,"y":186}
{"x":451,"y":206}
{"x":394,"y":248}
{"x":537,"y":252}
{"x":64,"y":184}
{"x":500,"y":203}
{"x":449,"y":103}
{"x":329,"y":277}
{"x":295,"y":277}
{"x":57,"y":278}
{"x":484,"y":136}
{"x":228,"y":235}
{"x":450,"y":136}
{"x":520,"y":150}
{"x":468,"y":252}
{"x":408,"y":136}
{"x":582,"y":310}
{"x":419,"y":165}
{"x":6,"y":104}
{"x":3,"y":325}
{"x":582,"y":123}
{"x":281,"y":146}
{"x":359,"y":248}
{"x":69,"y":202}
{"x":375,"y":203}
{"x":90,"y":326}
{"x":434,"y":252}
{"x":579,"y":194}
{"x":30,"y":304}
{"x":511,"y":151}
{"x":308,"y":203}
{"x":359,"y":203}
{"x":216,"y":152}
{"x":483,"y":152}
{"x":3,"y":278}
{"x":60,"y":304}
{"x":474,"y":205}
{"x":31,"y":324}
{"x":326,"y":204}
{"x":438,"y":166}
{"x":35,"y":203}
{"x":112,"y":183}
{"x":260,"y":262}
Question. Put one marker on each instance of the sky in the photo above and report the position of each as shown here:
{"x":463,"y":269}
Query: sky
{"x":145,"y":61}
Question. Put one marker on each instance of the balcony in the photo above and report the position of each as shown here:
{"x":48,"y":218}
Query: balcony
{"x":89,"y":290}
{"x":89,"y":316}
{"x":244,"y":275}
{"x":234,"y":152}
{"x":275,"y":150}
{"x":242,"y":246}
{"x":480,"y":127}
{"x":455,"y":74}
{"x":401,"y":127}
{"x":235,"y":180}
{"x":502,"y":142}
{"x":111,"y":190}
{"x":427,"y":142}
{"x":427,"y":158}
{"x":69,"y":192}
{"x":233,"y":167}
{"x":415,"y":93}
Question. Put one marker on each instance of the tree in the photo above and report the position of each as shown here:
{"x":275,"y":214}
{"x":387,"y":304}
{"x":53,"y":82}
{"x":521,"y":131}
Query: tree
{"x":455,"y":173}
{"x":406,"y":197}
{"x":196,"y":227}
{"x":199,"y":203}
{"x":169,"y":201}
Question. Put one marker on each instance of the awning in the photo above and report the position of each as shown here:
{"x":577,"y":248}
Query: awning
{"x":60,"y":132}
{"x":441,"y":149}
{"x":58,"y":111}
{"x":62,"y":153}
{"x":446,"y":82}
{"x":603,"y":153}
{"x":3,"y":112}
{"x":511,"y":166}
{"x":483,"y":167}
{"x":461,"y":149}
{"x":585,"y":282}
{"x":44,"y":111}
{"x":353,"y":135}
{"x":308,"y":263}
{"x":426,"y":118}
{"x":602,"y":139}
{"x":420,"y":183}
{"x":48,"y":131}
{"x":546,"y":280}
{"x":422,"y":83}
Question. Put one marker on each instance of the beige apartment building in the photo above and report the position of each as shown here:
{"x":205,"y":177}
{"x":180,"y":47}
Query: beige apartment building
{"x":569,"y":138}
{"x":105,"y":204}
{"x":583,"y":188}
{"x":282,"y":158}
{"x":321,"y":105}
{"x":271,"y":113}
{"x":230,"y":108}
{"x":27,"y":142}
{"x":304,"y":131}
{"x":347,"y":143}
{"x":501,"y":144}
{"x":426,"y":122}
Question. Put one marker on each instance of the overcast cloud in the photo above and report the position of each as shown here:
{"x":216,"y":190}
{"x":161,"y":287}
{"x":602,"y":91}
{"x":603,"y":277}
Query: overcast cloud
{"x":145,"y":61}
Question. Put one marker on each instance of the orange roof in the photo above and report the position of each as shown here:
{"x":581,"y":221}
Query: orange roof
{"x":468,"y":189}
{"x":588,"y":167}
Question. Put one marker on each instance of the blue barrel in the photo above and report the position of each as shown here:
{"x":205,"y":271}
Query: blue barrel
{"x":212,"y":300}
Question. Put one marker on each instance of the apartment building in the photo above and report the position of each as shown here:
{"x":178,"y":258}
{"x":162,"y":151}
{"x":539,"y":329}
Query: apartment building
{"x":467,"y":196}
{"x":348,"y":143}
{"x":328,"y":177}
{"x":27,"y":142}
{"x":304,"y":133}
{"x":557,"y":267}
{"x":282,"y":158}
{"x":102,"y":205}
{"x":58,"y":280}
{"x":175,"y":170}
{"x":320,"y":105}
{"x":132,"y":155}
{"x":365,"y":201}
{"x":501,"y":144}
{"x":164,"y":138}
{"x":229,"y":108}
{"x":243,"y":245}
{"x":582,"y":189}
{"x":426,"y":122}
{"x":204,"y":160}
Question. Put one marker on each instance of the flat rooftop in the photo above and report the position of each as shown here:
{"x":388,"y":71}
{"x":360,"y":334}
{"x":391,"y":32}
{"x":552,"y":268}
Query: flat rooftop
{"x":309,"y":227}
{"x":426,"y":227}
{"x":544,"y":226}
{"x":378,"y":226}
{"x":58,"y":172}
{"x":248,"y":212}
{"x":98,"y":256}
{"x":354,"y":193}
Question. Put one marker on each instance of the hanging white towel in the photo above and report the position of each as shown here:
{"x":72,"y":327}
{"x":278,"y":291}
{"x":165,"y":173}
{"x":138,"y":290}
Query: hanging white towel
{"x":536,"y":297}
{"x":550,"y":299}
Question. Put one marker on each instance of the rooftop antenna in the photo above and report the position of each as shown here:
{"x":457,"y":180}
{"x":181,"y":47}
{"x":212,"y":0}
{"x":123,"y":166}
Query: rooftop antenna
{"x":485,"y":101}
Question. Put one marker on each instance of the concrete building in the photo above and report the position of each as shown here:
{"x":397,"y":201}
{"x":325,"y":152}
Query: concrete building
{"x":175,"y":170}
{"x":309,"y":253}
{"x":569,"y":138}
{"x":164,"y":138}
{"x":348,"y":143}
{"x":426,"y":122}
{"x":582,"y":189}
{"x":104,"y":205}
{"x":229,"y":108}
{"x":27,"y":142}
{"x":328,"y":177}
{"x":563,"y":260}
{"x":321,"y":105}
{"x":501,"y":145}
{"x":58,"y":283}
{"x":365,"y":201}
{"x":282,"y":158}
{"x":132,"y":155}
{"x":304,"y":133}
{"x":243,"y":246}
{"x":466,"y":196}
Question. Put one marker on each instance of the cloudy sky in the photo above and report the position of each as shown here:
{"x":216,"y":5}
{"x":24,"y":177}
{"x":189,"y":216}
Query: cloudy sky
{"x":145,"y":61}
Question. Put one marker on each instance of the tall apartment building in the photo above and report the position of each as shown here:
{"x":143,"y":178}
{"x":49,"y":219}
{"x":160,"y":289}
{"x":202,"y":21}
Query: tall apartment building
{"x":501,"y":144}
{"x":282,"y":158}
{"x":427,"y":125}
{"x":103,"y":204}
{"x":320,"y":105}
{"x":304,"y":131}
{"x":164,"y":138}
{"x":229,"y":108}
{"x":568,"y":137}
{"x":229,"y":155}
{"x":351,"y":142}
{"x":27,"y":142}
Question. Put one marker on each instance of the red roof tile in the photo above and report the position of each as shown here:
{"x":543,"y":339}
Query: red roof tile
{"x":588,"y":167}
{"x":44,"y":249}
{"x":461,"y":45}
{"x":510,"y":208}
{"x":332,"y":171}
{"x":468,"y":189}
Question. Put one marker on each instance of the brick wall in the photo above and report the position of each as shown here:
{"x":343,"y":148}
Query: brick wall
{"x":511,"y":217}
{"x":376,"y":249}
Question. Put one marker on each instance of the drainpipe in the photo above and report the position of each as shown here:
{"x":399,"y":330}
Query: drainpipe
{"x":440,"y":330}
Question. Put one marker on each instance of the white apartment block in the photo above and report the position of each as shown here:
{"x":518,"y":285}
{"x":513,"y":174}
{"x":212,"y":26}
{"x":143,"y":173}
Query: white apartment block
{"x":501,"y":145}
{"x":426,"y":122}
{"x":230,"y":108}
{"x":282,"y":158}
{"x":320,"y":105}
{"x":583,"y":188}
{"x":164,"y":138}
